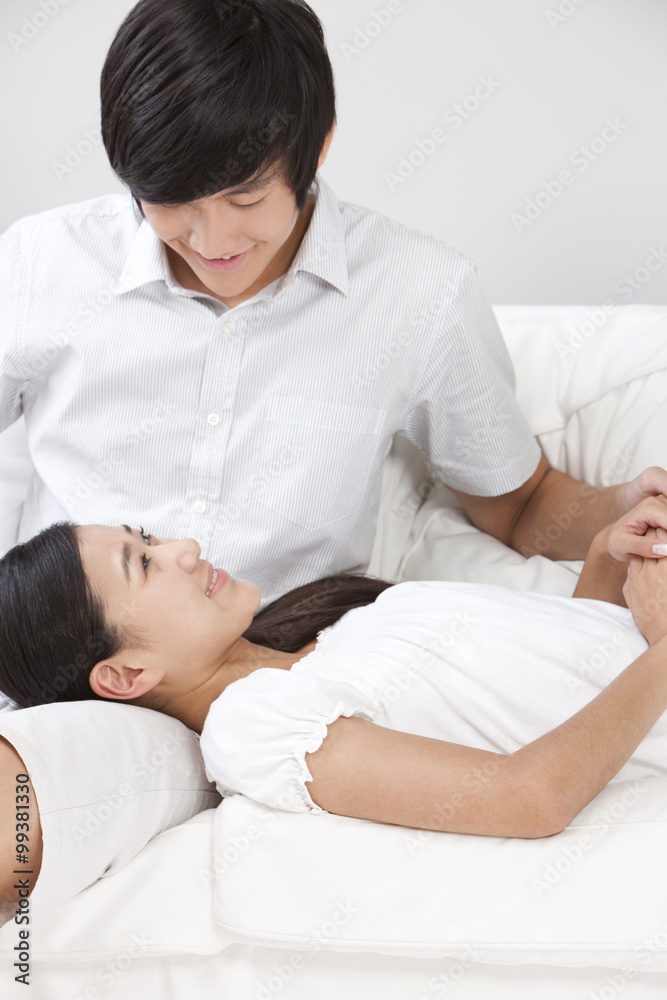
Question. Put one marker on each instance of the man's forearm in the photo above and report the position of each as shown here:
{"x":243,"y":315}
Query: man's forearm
{"x":562,"y":517}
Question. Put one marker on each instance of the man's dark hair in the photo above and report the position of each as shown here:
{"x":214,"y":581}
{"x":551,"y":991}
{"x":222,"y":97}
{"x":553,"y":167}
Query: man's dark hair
{"x":201,"y":95}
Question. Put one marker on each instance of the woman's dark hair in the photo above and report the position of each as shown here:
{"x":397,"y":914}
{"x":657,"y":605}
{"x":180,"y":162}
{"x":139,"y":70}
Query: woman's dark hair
{"x":53,"y":629}
{"x":200,"y":95}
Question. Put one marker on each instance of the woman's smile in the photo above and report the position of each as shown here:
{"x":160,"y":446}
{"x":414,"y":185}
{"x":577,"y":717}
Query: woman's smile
{"x":217,"y":580}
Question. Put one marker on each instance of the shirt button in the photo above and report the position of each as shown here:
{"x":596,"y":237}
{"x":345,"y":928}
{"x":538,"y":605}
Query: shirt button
{"x":213,"y":419}
{"x":200,"y":507}
{"x":228,"y":329}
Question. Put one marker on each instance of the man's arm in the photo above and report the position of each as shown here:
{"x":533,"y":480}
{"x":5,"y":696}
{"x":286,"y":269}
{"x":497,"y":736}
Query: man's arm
{"x":557,"y":516}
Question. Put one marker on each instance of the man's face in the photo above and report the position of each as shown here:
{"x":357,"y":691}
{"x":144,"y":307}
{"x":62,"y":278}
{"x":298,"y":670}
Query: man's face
{"x":257,"y":223}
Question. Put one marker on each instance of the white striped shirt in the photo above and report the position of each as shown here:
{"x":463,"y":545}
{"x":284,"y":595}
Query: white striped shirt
{"x":258,"y":430}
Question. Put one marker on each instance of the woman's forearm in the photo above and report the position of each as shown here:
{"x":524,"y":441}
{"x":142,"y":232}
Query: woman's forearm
{"x":602,"y":576}
{"x":578,"y":758}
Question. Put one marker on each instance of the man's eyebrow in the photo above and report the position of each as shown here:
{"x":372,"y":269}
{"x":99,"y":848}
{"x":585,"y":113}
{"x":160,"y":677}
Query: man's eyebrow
{"x":250,"y":186}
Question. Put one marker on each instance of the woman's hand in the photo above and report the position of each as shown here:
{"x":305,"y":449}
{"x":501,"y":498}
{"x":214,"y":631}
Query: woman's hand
{"x":633,"y":535}
{"x":645,"y":591}
{"x":629,"y":536}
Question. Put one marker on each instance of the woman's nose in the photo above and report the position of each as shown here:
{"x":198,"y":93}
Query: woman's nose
{"x":186,"y":551}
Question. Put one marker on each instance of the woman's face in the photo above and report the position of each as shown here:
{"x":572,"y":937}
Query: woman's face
{"x":159,"y":588}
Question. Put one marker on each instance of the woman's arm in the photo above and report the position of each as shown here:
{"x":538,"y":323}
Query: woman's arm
{"x":602,"y":576}
{"x":536,"y":791}
{"x":12,"y":766}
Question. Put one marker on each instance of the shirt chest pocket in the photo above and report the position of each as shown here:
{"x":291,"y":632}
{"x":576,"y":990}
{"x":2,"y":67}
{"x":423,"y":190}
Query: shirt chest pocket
{"x":316,"y":459}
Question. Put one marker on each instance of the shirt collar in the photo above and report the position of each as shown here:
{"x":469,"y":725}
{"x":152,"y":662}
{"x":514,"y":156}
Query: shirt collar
{"x":322,"y":251}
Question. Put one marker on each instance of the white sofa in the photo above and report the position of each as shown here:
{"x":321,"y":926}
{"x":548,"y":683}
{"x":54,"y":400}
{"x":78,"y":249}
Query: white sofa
{"x":249,"y":903}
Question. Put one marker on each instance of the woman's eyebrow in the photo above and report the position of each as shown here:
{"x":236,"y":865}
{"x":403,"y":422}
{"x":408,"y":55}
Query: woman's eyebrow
{"x":127,"y":552}
{"x":126,"y":562}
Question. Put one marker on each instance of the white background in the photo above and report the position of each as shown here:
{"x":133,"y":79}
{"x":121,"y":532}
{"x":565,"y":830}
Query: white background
{"x":555,"y":84}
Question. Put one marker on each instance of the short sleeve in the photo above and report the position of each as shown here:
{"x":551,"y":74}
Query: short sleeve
{"x":13,"y":375}
{"x":464,"y":415}
{"x":258,"y":732}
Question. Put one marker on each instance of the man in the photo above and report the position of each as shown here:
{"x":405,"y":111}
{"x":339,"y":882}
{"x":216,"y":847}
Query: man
{"x":234,"y":365}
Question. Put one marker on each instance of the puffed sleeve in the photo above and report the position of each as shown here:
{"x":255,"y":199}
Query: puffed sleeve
{"x":258,"y":731}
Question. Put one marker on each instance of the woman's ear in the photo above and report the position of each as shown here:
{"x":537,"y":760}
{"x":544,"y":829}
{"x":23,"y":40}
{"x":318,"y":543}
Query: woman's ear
{"x":116,"y":678}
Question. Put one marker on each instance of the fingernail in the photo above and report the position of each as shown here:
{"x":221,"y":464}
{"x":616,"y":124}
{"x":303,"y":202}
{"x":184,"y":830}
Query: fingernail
{"x":659,"y":550}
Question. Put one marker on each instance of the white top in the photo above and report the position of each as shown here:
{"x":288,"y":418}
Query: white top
{"x":259,"y":430}
{"x":473,"y":664}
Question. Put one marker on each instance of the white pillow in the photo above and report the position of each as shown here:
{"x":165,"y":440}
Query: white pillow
{"x":593,"y":895}
{"x":107,"y":778}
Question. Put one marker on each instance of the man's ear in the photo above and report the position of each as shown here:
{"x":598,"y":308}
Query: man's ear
{"x":325,"y":147}
{"x":116,"y":678}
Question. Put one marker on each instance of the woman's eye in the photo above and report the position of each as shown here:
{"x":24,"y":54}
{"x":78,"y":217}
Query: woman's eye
{"x":146,"y":538}
{"x":144,"y":562}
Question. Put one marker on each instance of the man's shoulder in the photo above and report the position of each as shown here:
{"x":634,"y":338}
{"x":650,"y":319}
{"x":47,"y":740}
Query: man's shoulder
{"x":393,"y":240}
{"x":108,"y":211}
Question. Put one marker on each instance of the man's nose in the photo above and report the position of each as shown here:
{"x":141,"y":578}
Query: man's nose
{"x":212,"y":233}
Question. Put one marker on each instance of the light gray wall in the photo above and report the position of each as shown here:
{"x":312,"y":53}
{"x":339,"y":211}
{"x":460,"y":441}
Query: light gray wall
{"x":556,"y":72}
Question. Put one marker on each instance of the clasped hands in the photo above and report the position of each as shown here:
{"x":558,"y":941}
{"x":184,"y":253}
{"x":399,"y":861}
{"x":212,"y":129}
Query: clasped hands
{"x":639,"y":538}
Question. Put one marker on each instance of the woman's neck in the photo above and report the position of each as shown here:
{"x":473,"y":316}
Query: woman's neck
{"x":192,"y":708}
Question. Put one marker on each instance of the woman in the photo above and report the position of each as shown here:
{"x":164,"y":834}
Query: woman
{"x":113,"y":613}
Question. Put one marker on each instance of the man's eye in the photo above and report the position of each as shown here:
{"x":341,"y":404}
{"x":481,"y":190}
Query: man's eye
{"x":250,"y":204}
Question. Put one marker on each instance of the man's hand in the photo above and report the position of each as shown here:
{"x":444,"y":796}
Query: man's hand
{"x":650,"y":482}
{"x":645,"y":591}
{"x":630,"y":535}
